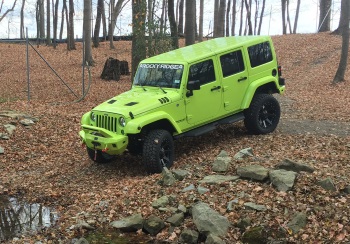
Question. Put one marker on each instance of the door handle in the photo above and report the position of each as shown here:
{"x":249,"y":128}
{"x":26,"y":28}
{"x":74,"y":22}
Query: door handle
{"x":242,"y":79}
{"x":215,"y":88}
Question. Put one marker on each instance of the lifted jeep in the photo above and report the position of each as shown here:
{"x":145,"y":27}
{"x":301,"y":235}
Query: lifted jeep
{"x":187,"y":92}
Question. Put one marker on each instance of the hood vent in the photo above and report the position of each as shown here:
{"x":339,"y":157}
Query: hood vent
{"x":131,"y":104}
{"x":112,"y":101}
{"x":164,"y":100}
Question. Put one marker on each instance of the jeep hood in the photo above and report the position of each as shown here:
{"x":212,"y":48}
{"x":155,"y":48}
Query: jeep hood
{"x":137,"y":101}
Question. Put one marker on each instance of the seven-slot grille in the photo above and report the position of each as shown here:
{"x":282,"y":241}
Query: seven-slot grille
{"x":107,"y":122}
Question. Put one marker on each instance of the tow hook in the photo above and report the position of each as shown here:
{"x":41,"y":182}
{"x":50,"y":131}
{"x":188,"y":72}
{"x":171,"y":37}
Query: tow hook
{"x":105,"y":150}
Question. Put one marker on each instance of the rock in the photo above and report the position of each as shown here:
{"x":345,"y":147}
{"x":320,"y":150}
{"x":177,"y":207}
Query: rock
{"x":254,"y":172}
{"x":298,"y":222}
{"x":153,"y":225}
{"x":189,"y":188}
{"x":346,"y":190}
{"x":230,"y":205}
{"x":180,"y":174}
{"x":255,"y":235}
{"x":327,"y":184}
{"x":3,"y":136}
{"x":218,"y":179}
{"x":202,"y":190}
{"x":168,"y":178}
{"x":10,"y":128}
{"x":283,"y":180}
{"x":212,"y":239}
{"x":221,"y":164}
{"x":2,"y":150}
{"x":161,"y":202}
{"x":189,"y":236}
{"x":244,"y":153}
{"x":129,"y":224}
{"x":83,"y":225}
{"x":290,"y":165}
{"x":209,"y":221}
{"x":176,"y":219}
{"x":182,"y":208}
{"x":242,"y":224}
{"x":253,"y":206}
{"x":27,"y":122}
{"x":81,"y":241}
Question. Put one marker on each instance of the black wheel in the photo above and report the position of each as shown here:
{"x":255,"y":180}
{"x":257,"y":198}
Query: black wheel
{"x":158,"y":151}
{"x":135,"y":147}
{"x":100,"y":157}
{"x":263,"y":115}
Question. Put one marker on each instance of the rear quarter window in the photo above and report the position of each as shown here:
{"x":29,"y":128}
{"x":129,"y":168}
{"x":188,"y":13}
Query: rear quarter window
{"x":260,"y":54}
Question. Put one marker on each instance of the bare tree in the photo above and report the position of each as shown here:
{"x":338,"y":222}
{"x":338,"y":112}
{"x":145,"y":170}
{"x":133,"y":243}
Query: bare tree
{"x":241,"y":17}
{"x":22,"y":20}
{"x":115,"y":11}
{"x":284,"y":9}
{"x":64,"y":15}
{"x":88,"y":60}
{"x":216,"y":18}
{"x":138,"y":30}
{"x":180,"y":26}
{"x":221,"y":18}
{"x":201,"y":12}
{"x":55,"y":23}
{"x":48,"y":23}
{"x":173,"y":26}
{"x":325,"y":15}
{"x":100,"y":9}
{"x":262,"y":16}
{"x":345,"y":13}
{"x":7,"y":11}
{"x":70,"y":26}
{"x":296,"y":17}
{"x":233,"y":24}
{"x":190,"y":22}
{"x":228,"y":18}
{"x":249,"y":17}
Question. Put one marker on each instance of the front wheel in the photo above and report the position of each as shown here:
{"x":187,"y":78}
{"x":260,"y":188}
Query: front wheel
{"x":158,"y":151}
{"x":99,"y":156}
{"x":263,"y":115}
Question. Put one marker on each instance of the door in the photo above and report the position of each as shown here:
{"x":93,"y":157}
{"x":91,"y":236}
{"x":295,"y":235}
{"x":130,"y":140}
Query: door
{"x":235,"y":79}
{"x":204,"y":103}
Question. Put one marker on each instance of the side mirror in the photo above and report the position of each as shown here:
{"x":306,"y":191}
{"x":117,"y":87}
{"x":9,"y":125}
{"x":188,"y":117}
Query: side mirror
{"x":191,"y":86}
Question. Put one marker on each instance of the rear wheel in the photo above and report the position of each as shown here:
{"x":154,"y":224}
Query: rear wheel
{"x":158,"y":151}
{"x":99,"y":156}
{"x":263,"y":115}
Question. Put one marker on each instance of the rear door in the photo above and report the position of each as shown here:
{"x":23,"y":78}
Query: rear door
{"x":235,"y":78}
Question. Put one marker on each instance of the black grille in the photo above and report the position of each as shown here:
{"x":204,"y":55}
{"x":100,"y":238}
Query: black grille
{"x":107,"y":122}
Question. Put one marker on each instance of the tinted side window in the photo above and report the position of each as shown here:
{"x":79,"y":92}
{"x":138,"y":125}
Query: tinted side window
{"x":260,"y":54}
{"x":203,"y":71}
{"x":232,"y":63}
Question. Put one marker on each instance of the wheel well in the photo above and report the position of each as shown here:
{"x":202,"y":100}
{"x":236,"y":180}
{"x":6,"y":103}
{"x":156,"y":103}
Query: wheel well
{"x":268,"y":88}
{"x":160,"y":124}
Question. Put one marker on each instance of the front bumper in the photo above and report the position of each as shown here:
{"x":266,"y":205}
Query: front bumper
{"x":101,"y":139}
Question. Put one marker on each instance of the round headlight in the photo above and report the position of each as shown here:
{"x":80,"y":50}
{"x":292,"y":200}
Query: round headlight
{"x":122,"y":121}
{"x":93,"y":116}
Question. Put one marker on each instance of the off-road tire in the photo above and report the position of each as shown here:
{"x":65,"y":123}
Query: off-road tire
{"x":135,"y":147}
{"x":100,"y":158}
{"x":263,"y":115}
{"x":158,"y":151}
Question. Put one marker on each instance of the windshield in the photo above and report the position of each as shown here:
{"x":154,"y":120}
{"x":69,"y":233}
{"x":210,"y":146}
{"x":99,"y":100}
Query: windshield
{"x":159,"y":75}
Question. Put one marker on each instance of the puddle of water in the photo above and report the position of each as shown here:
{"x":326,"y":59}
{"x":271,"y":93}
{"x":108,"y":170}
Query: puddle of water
{"x":18,"y":217}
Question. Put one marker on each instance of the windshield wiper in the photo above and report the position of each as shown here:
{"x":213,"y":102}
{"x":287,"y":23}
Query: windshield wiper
{"x":162,"y":89}
{"x":141,"y":84}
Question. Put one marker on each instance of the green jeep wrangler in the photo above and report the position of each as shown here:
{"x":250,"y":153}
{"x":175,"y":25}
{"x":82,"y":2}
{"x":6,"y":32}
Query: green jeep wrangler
{"x":187,"y":92}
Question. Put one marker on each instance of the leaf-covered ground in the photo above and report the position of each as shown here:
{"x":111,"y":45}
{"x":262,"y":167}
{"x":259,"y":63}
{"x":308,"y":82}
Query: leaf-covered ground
{"x":46,"y":163}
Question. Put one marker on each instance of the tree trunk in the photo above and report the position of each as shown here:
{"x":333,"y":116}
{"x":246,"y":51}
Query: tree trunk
{"x":42,"y":19}
{"x":342,"y":24}
{"x":71,"y":38}
{"x":228,"y":9}
{"x":325,"y":16}
{"x":221,"y":18}
{"x":180,"y":27}
{"x":262,"y":16}
{"x":241,"y":22}
{"x":288,"y":18}
{"x":48,"y":23}
{"x":216,"y":18}
{"x":64,"y":10}
{"x":115,"y":11}
{"x":340,"y":74}
{"x":201,"y":13}
{"x":284,"y":7}
{"x":190,"y":22}
{"x":96,"y":38}
{"x":104,"y":23}
{"x":138,"y":30}
{"x":173,"y":27}
{"x":55,"y":23}
{"x":249,"y":17}
{"x":87,"y":33}
{"x":296,"y":18}
{"x":233,"y":24}
{"x":22,"y":35}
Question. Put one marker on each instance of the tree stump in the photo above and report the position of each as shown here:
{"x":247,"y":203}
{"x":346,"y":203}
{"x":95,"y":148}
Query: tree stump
{"x":114,"y":68}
